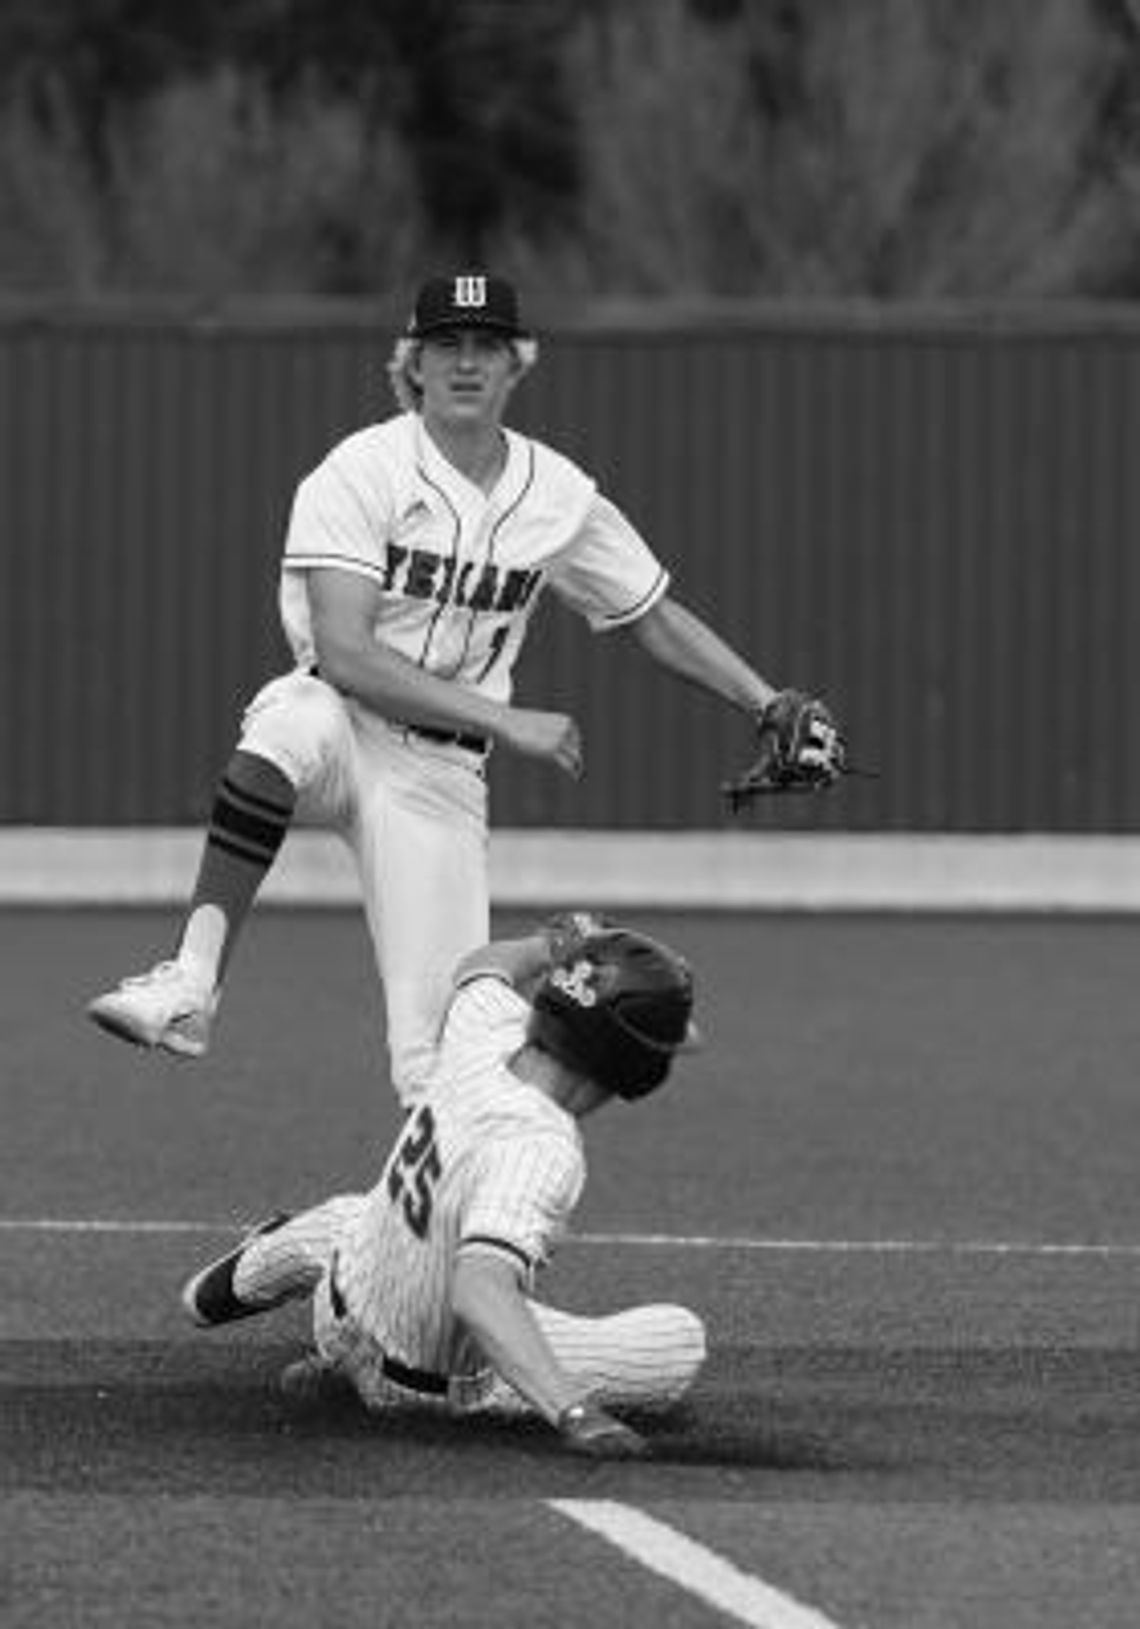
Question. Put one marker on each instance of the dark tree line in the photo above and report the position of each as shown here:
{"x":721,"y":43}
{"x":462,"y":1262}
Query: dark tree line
{"x":519,"y":142}
{"x":475,"y":87}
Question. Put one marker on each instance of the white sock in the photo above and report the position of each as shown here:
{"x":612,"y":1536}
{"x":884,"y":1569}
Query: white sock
{"x":203,"y":940}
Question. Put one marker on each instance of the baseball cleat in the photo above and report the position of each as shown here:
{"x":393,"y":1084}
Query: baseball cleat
{"x":210,"y":1298}
{"x":169,"y":1007}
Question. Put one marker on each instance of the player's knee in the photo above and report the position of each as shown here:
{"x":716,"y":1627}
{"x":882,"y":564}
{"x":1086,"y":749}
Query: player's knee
{"x":689,"y":1341}
{"x":680,"y":1344}
{"x":298,"y":723}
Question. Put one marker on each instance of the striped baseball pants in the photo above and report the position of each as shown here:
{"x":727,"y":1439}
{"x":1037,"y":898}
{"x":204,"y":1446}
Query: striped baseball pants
{"x":645,"y":1357}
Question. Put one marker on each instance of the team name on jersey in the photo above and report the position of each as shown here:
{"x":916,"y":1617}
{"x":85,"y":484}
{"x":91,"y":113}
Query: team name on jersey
{"x":420,"y":574}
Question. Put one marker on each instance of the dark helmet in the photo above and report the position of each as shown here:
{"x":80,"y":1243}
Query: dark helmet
{"x":616,"y":1008}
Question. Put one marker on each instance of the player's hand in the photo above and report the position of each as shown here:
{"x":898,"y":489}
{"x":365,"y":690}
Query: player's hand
{"x":554,"y":737}
{"x":585,"y":1428}
{"x":567,"y":931}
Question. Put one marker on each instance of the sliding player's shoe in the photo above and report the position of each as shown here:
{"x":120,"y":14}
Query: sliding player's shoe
{"x":210,"y":1298}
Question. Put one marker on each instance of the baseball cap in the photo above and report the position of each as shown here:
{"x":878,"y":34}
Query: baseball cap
{"x":467,"y":300}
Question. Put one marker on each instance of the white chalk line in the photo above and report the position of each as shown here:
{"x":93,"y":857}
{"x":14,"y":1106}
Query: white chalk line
{"x":702,"y":1572}
{"x":856,"y":1247}
{"x":1124,"y":1251}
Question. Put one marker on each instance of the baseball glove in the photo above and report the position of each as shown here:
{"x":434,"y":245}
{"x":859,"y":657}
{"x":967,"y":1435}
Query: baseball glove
{"x":799,"y":749}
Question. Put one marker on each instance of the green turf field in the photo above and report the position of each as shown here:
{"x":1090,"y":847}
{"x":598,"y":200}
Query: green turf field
{"x":900,"y":1185}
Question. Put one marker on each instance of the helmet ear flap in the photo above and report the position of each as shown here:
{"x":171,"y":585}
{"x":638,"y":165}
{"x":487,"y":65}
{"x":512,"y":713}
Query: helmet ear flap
{"x":650,"y":1074}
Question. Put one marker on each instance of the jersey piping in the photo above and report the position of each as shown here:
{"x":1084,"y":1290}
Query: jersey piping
{"x":351,"y":562}
{"x":508,"y":1248}
{"x":489,"y":557}
{"x":482,"y":973}
{"x":456,"y":533}
{"x":617,"y":619}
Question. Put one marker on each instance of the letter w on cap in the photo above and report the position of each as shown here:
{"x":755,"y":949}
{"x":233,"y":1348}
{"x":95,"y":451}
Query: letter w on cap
{"x":470,"y":292}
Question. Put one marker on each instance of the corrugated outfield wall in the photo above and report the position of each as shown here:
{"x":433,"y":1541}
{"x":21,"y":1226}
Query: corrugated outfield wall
{"x":931,"y":518}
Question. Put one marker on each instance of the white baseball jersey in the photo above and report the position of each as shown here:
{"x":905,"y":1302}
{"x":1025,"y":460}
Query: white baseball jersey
{"x":484,"y":1160}
{"x":461,"y":571}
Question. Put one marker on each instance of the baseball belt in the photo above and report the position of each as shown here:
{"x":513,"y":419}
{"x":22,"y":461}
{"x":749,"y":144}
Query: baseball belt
{"x":448,"y":738}
{"x":451,"y":738}
{"x":400,"y":1374}
{"x":430,"y":1385}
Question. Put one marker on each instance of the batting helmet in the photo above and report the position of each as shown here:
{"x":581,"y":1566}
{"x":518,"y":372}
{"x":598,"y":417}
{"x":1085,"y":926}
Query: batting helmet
{"x":617,"y":1009}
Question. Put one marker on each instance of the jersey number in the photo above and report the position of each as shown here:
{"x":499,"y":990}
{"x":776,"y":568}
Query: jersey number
{"x":498,"y":640}
{"x":415,"y":1169}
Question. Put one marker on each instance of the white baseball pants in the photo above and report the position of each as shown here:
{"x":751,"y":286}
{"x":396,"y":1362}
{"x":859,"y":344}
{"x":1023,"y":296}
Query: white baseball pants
{"x":414,"y":814}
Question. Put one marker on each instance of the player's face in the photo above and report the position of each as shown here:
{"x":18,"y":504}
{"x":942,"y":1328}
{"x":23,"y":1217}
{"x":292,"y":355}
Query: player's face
{"x":466,"y":375}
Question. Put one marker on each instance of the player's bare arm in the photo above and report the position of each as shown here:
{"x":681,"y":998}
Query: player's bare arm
{"x":518,"y":961}
{"x":676,"y":639}
{"x":523,"y":960}
{"x":344,"y":607}
{"x":487,"y":1296}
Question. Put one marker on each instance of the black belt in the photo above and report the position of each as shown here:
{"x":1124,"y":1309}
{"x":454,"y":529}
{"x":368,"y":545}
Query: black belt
{"x":432,"y":1385}
{"x":451,"y":738}
{"x":447,"y":738}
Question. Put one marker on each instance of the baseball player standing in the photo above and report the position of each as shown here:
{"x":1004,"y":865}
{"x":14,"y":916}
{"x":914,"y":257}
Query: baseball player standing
{"x":415,"y":555}
{"x":422,"y":1288}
